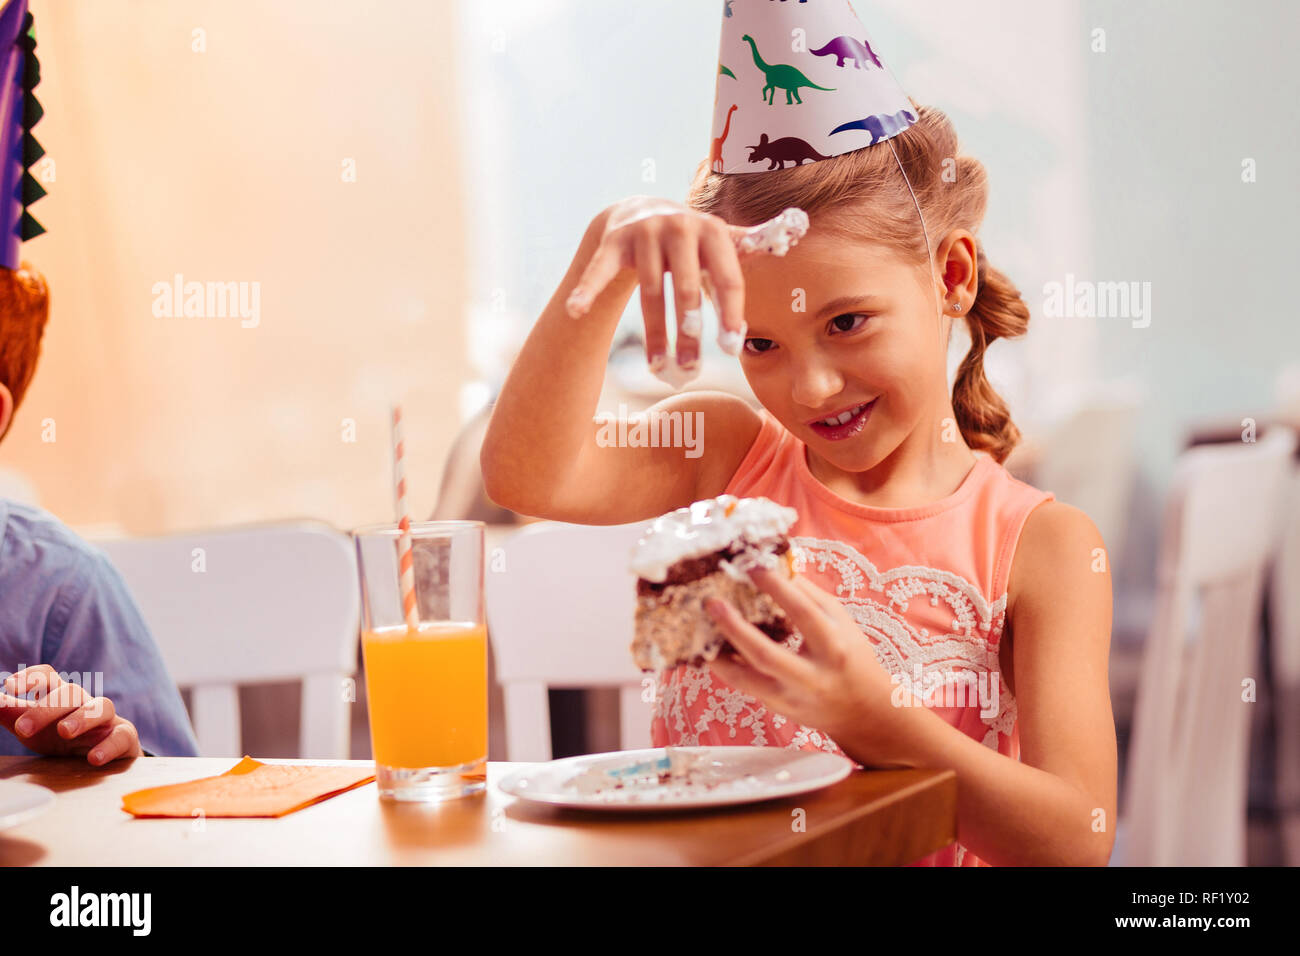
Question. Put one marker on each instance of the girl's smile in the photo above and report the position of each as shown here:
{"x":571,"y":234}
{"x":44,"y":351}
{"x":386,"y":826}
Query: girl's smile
{"x":843,"y":424}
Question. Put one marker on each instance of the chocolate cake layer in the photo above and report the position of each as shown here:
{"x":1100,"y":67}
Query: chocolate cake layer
{"x":692,"y":569}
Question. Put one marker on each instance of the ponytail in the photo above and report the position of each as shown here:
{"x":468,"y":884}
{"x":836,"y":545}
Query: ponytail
{"x":999,"y":311}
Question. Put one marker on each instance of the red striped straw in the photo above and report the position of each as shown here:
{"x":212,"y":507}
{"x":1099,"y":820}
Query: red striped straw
{"x":405,"y":559}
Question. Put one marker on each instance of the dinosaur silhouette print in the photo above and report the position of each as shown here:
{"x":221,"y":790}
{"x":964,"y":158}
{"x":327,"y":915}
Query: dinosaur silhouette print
{"x":849,"y":48}
{"x":783,"y":76}
{"x":881,"y":126}
{"x":715,"y":154}
{"x":779,"y":151}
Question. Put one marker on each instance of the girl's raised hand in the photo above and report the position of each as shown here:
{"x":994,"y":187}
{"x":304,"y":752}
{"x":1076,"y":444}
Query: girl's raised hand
{"x":63,"y":720}
{"x":653,"y":236}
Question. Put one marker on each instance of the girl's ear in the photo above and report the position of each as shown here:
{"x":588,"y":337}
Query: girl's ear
{"x":6,"y":408}
{"x":960,"y":268}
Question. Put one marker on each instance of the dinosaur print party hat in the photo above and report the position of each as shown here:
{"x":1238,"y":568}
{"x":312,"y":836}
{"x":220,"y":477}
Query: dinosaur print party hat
{"x":798,"y":81}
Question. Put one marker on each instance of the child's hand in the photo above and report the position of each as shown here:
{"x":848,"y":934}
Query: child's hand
{"x":834,"y":682}
{"x":64,"y":720}
{"x":653,"y":236}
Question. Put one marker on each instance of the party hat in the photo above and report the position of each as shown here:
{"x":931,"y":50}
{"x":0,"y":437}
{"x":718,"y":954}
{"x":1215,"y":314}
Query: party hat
{"x":19,"y":112}
{"x":799,"y":80}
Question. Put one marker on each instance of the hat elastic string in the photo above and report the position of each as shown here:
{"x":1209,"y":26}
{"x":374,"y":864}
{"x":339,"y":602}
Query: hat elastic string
{"x":929,"y":252}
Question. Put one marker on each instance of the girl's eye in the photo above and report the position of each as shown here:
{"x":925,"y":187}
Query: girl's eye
{"x":848,"y":322}
{"x":756,"y":346}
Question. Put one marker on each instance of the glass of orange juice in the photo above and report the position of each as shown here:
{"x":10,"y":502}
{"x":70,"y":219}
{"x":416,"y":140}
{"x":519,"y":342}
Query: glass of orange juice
{"x":426,"y":685}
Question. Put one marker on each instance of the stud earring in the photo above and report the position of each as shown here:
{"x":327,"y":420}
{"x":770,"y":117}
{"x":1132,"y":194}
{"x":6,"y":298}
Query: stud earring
{"x":956,"y":306}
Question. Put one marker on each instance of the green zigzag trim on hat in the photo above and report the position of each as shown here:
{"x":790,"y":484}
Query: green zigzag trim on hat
{"x":29,"y":228}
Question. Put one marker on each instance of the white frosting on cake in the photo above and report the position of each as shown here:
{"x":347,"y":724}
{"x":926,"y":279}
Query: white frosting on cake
{"x":777,"y":235}
{"x":706,"y":527}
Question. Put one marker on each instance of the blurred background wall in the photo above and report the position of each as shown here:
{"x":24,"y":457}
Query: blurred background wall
{"x":311,"y":148}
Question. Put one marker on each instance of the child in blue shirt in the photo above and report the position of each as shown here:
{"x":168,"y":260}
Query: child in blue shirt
{"x":79,"y":673}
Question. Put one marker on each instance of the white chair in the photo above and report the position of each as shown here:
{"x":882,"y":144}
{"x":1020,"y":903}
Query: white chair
{"x":560,"y":609}
{"x":252,"y":605}
{"x":1185,"y":789}
{"x":1284,"y":618}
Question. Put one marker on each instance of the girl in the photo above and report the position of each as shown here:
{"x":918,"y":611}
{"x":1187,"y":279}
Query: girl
{"x":978,"y":596}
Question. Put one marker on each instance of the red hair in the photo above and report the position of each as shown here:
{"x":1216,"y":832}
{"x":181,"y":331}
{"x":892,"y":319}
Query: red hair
{"x":24,"y":309}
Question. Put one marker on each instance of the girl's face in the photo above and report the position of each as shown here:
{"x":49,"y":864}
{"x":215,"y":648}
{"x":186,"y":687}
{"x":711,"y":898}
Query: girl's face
{"x":836,"y":325}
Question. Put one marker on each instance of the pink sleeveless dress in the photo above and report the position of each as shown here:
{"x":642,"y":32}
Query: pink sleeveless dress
{"x":927,"y":584}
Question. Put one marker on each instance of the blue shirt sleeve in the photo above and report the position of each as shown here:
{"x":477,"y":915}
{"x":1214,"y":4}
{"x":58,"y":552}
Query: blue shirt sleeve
{"x":62,"y":603}
{"x":96,"y":631}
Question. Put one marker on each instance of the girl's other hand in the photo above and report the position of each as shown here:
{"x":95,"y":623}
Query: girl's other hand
{"x":653,"y":236}
{"x":834,"y":682}
{"x":63,"y":720}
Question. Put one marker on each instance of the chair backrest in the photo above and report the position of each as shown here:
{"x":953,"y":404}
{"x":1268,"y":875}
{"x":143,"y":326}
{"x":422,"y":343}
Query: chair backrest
{"x":252,"y":605}
{"x":1088,"y":460}
{"x":1284,"y":616}
{"x":1186,"y":780}
{"x":560,"y":609}
{"x":1284,"y":626}
{"x":1285,"y":606}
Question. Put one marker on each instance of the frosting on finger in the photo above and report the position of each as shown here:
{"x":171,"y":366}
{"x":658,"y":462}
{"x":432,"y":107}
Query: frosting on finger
{"x":730,"y":341}
{"x":666,"y":369}
{"x":777,"y":235}
{"x":692,"y":323}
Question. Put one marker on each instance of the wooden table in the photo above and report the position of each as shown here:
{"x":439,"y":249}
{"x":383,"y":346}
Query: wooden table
{"x":878,"y":817}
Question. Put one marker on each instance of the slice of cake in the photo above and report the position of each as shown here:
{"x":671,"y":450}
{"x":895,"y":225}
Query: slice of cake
{"x":704,"y":551}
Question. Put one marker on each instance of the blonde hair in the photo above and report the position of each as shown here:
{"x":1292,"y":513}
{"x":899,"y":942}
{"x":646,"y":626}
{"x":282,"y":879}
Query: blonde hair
{"x":834,"y":192}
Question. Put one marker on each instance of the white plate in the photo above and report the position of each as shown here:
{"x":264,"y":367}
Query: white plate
{"x":19,"y":802}
{"x":724,"y":776}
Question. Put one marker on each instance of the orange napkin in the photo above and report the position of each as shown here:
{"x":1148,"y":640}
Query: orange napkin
{"x":248,"y":789}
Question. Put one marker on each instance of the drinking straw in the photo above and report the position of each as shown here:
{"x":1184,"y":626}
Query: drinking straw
{"x":405,"y":559}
